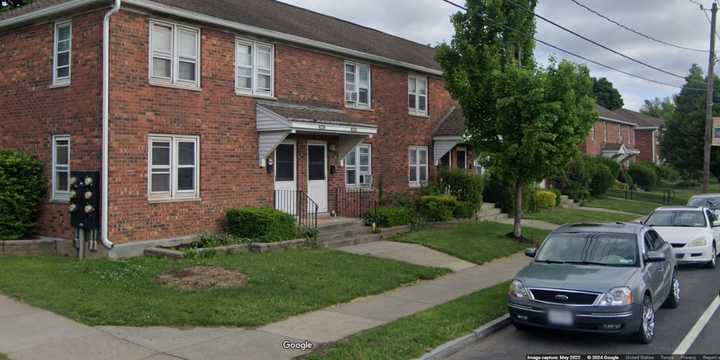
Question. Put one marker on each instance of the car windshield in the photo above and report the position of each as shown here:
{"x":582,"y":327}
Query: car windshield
{"x":590,"y":249}
{"x":677,"y":218}
{"x":712,"y":203}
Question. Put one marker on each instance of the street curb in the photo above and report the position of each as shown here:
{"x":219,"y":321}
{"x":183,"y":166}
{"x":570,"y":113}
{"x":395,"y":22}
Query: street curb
{"x":449,"y":348}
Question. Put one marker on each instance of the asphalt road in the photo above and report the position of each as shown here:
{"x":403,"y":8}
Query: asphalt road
{"x":699,"y":288}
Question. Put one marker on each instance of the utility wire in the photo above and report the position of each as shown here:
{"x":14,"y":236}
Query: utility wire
{"x":578,"y":3}
{"x":595,"y":42}
{"x":583,"y":57}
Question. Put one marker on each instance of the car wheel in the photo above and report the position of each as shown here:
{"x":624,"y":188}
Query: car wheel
{"x":713,"y":263}
{"x":646,"y":333}
{"x":673,"y":299}
{"x":520,"y":327}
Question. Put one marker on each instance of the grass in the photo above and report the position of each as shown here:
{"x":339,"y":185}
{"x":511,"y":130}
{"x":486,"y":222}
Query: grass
{"x":569,"y":216}
{"x":474,"y":242}
{"x":641,"y":208}
{"x":415,"y":335}
{"x":4,"y":357}
{"x":103,"y":292}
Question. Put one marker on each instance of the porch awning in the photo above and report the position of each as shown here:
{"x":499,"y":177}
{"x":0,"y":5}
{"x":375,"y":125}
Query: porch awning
{"x":442,"y":145}
{"x":619,"y":152}
{"x":276,"y":121}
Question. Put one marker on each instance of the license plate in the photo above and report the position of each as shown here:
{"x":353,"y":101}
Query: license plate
{"x":560,"y":317}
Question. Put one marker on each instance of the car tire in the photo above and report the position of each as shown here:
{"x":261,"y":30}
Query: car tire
{"x":646,"y":333}
{"x":713,"y":263}
{"x":520,"y":327}
{"x":673,"y":299}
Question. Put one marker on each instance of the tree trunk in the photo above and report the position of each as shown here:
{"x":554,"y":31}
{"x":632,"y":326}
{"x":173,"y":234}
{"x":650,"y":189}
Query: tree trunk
{"x":517,"y":225}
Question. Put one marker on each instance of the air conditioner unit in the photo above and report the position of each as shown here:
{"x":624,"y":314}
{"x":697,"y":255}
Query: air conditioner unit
{"x":366,"y":180}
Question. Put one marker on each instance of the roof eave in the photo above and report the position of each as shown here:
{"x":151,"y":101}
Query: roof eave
{"x":50,"y":11}
{"x":192,"y":15}
{"x":617,"y":121}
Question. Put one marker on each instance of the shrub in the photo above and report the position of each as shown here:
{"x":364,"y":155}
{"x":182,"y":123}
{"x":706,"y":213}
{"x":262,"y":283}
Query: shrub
{"x":463,"y":185}
{"x":500,"y":193}
{"x":557,"y":196}
{"x":643,"y":175}
{"x":601,"y":180}
{"x":668,"y":173}
{"x":261,"y":224}
{"x":575,"y":182}
{"x":465,"y":210}
{"x":22,"y":188}
{"x":438,"y":207}
{"x":611,"y":164}
{"x":211,"y":240}
{"x":388,"y":217}
{"x":545,"y":199}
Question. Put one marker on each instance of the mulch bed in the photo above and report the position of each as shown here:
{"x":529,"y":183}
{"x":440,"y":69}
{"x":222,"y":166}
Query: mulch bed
{"x":203,"y":277}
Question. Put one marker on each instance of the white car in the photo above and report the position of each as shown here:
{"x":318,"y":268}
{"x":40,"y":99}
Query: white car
{"x":693,"y":232}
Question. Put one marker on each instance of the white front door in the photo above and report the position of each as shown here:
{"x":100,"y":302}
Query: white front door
{"x":317,"y":176}
{"x":286,"y":178}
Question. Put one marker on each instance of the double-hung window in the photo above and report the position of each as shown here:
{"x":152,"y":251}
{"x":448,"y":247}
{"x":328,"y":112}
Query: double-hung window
{"x":358,"y":166}
{"x":62,"y":53}
{"x":357,"y":85}
{"x":418,"y":165}
{"x":174,"y":167}
{"x":175,"y":54}
{"x":61,"y":167}
{"x":254,"y":68}
{"x":417,"y":95}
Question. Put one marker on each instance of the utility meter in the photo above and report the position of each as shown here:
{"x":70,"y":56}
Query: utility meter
{"x":84,"y":199}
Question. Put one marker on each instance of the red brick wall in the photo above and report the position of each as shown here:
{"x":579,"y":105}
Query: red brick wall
{"x":32,"y":111}
{"x":230,"y":174}
{"x":645,"y":140}
{"x":594,"y":148}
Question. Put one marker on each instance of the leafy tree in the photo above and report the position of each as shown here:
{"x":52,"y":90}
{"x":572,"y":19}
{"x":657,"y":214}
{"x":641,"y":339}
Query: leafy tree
{"x":528,"y":122}
{"x":9,"y":4}
{"x":682,"y":142}
{"x":606,"y":94}
{"x":660,"y":108}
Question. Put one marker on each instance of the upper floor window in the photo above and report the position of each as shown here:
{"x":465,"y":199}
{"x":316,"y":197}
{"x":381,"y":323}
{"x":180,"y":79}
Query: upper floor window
{"x":62,"y":53}
{"x":620,"y":136}
{"x":418,"y":163}
{"x":606,"y":131}
{"x":254,"y":68}
{"x":417,"y":95}
{"x":593,"y":133}
{"x":174,"y":167}
{"x":358,"y":166}
{"x":174,"y":54}
{"x":357,"y":85}
{"x":61,"y":167}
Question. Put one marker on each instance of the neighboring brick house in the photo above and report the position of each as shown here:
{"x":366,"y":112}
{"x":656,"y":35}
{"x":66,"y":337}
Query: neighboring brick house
{"x":612,"y":136}
{"x":215,"y":105}
{"x":647,"y":134}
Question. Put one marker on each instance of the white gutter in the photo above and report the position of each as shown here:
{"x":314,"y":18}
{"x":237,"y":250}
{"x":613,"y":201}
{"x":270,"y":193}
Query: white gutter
{"x":106,"y":122}
{"x":187,"y":14}
{"x":47,"y":12}
{"x":618,"y":121}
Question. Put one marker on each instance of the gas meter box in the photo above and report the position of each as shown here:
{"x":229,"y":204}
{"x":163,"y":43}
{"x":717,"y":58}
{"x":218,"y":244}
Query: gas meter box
{"x":85,"y":199}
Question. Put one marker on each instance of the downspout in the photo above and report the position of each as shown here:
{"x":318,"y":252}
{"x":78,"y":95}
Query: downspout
{"x":106,"y":122}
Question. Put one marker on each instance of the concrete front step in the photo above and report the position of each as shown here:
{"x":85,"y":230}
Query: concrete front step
{"x":356,"y":240}
{"x":487,"y":206}
{"x":344,"y":234}
{"x":339,"y":224}
{"x":483,"y":213}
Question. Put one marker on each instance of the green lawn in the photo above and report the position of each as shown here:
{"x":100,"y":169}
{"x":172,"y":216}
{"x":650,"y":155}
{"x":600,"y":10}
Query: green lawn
{"x":103,"y":292}
{"x":4,"y":357}
{"x":413,"y":336}
{"x":638,"y":207}
{"x":569,"y":216}
{"x":474,"y":242}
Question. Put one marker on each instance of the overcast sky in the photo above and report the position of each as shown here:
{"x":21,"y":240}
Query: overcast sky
{"x":676,"y":21}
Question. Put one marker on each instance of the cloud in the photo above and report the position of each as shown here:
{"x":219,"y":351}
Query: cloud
{"x":679,"y":22}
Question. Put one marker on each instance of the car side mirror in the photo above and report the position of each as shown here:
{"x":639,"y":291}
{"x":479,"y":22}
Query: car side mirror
{"x":655,"y":256}
{"x":530,"y":252}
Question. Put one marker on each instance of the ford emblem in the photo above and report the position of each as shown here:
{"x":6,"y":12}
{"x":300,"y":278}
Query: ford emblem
{"x":562,"y":298}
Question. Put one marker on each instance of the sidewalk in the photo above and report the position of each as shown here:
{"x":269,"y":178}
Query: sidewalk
{"x":409,"y":253}
{"x":30,"y":333}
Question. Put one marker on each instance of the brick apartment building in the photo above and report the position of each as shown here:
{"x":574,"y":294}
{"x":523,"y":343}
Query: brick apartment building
{"x":204,"y":106}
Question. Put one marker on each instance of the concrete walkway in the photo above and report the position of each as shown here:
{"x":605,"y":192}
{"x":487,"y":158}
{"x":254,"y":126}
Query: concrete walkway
{"x":537,"y":224}
{"x":606,"y":210}
{"x":409,"y":253}
{"x":31,"y":333}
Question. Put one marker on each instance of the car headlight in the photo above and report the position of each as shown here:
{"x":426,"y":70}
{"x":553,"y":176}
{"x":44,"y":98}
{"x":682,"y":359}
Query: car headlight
{"x":699,"y":242}
{"x":517,"y":290}
{"x":616,"y":297}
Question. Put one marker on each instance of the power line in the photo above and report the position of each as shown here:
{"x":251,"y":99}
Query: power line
{"x":583,"y":57}
{"x":595,"y":42}
{"x":704,"y":11}
{"x":578,"y":3}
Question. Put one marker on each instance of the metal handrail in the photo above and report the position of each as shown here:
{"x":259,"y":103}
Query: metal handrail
{"x":298,"y":204}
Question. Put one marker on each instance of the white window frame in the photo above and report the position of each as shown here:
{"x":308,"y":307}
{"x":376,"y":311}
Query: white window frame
{"x":620,"y":135}
{"x":416,"y":166}
{"x":606,"y":131}
{"x":65,"y":80}
{"x":174,"y":193}
{"x":349,"y":102}
{"x":174,"y":56}
{"x":414,"y":109}
{"x":60,"y":195}
{"x":356,"y":167}
{"x":593,"y":133}
{"x":255,"y":69}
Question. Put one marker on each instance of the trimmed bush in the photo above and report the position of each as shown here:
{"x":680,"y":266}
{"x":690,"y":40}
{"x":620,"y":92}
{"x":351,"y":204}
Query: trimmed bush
{"x":22,"y":188}
{"x":576,"y":180}
{"x":643,"y":175}
{"x":611,"y":164}
{"x":545,"y":199}
{"x":465,"y":210}
{"x":601,"y":180}
{"x":438,"y":207}
{"x":668,"y":173}
{"x":261,"y":224}
{"x":388,"y":217}
{"x":500,"y":193}
{"x":463,"y":185}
